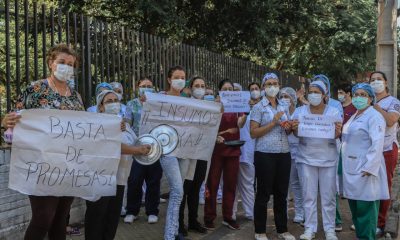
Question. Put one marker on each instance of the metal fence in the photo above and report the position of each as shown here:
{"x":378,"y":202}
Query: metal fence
{"x":108,"y":52}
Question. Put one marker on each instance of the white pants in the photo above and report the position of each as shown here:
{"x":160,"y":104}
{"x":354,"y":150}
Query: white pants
{"x":245,"y":188}
{"x":325,"y":178}
{"x":295,"y":188}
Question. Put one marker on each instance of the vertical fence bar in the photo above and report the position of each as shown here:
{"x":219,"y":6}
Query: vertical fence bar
{"x":44,"y":64}
{"x":95,"y":54}
{"x":118,"y":33}
{"x":101,"y":52}
{"x":52,"y":26}
{"x":35,"y":41}
{"x":67,"y":31}
{"x":17,"y":49}
{"x":87,"y":49}
{"x":8,"y":65}
{"x":122,"y":53}
{"x":112,"y":52}
{"x":107,"y":53}
{"x":26,"y":37}
{"x":83,"y":60}
{"x":59,"y":26}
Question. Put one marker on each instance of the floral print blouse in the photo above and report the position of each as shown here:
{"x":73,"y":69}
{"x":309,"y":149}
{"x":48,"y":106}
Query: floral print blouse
{"x":40,"y":95}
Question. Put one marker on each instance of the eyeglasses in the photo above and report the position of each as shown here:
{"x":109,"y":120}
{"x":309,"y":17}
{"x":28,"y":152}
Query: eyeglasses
{"x":146,"y":86}
{"x":360,"y":95}
{"x":271,"y":84}
{"x":111,"y":101}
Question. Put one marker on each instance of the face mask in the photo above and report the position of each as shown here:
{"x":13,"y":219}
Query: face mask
{"x":378,"y":86}
{"x":178,"y":84}
{"x":272,"y":91}
{"x":255,"y":94}
{"x":142,"y":91}
{"x":71,"y":83}
{"x":315,"y":98}
{"x":64,"y":72}
{"x":210,"y":98}
{"x":360,"y":102}
{"x":198,"y":93}
{"x":112,"y":108}
{"x":341,"y":98}
{"x":119,"y":95}
{"x":286,"y":101}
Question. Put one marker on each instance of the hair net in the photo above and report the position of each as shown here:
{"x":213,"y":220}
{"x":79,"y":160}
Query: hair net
{"x":268,"y":76}
{"x":117,"y":85}
{"x":289,"y":91}
{"x":101,"y":96}
{"x":237,"y":85}
{"x":324,"y":79}
{"x":366,"y":87}
{"x":319,"y":84}
{"x":103,"y":85}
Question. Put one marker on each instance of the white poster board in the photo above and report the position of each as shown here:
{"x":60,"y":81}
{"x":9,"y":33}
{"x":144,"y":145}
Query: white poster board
{"x":235,"y":101}
{"x":65,"y":153}
{"x":317,"y":126}
{"x":196,"y":122}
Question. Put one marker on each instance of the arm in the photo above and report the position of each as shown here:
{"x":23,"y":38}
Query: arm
{"x":257,"y":131}
{"x":135,"y":150}
{"x":242,"y":120}
{"x":390,"y":117}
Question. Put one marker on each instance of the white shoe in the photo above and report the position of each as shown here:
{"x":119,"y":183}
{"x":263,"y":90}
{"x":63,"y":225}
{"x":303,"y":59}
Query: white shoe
{"x":152,"y":219}
{"x":123,"y":211}
{"x":202,"y":201}
{"x":331,"y":235}
{"x":260,"y":236}
{"x":352,"y":227}
{"x":286,"y":236}
{"x":163,"y":200}
{"x":307,"y":235}
{"x":130,"y":218}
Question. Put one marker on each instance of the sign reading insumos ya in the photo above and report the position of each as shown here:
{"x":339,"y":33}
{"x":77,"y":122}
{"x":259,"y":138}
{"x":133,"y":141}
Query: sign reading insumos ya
{"x":196,"y":123}
{"x":65,"y":153}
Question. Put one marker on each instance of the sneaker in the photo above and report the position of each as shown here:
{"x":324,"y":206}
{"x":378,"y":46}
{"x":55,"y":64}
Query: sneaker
{"x":209,"y":225}
{"x":338,"y":227}
{"x":163,"y":200}
{"x":286,"y":236}
{"x":331,"y":235}
{"x":298,"y":220}
{"x":307,"y":235}
{"x":130,"y":218}
{"x":379,"y":231}
{"x":152,"y":219}
{"x":197,"y":227}
{"x":352,"y":227}
{"x":260,"y":236}
{"x":231,"y":224}
{"x":123,"y":211}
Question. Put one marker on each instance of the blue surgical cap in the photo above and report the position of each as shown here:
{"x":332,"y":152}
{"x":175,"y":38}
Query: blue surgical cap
{"x":320,"y":85}
{"x":289,"y":91}
{"x":366,"y":87}
{"x":103,"y":85}
{"x":325,"y":80}
{"x":268,"y":76}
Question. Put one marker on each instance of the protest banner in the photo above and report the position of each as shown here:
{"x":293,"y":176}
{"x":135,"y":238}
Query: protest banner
{"x":317,"y":126}
{"x":235,"y":101}
{"x":195,"y":121}
{"x":65,"y":153}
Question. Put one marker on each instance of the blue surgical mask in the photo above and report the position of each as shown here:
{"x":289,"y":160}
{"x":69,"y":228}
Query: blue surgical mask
{"x":210,"y":98}
{"x":142,"y":91}
{"x":360,"y":102}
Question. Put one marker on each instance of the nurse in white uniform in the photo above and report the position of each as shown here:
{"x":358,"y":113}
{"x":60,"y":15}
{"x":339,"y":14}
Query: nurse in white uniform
{"x":288,"y":95}
{"x":364,"y":172}
{"x":317,"y":159}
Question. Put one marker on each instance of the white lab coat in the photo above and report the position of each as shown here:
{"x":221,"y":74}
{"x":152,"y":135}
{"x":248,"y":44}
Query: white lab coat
{"x":362,"y":151}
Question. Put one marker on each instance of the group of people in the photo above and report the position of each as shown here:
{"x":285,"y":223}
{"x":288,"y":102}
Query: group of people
{"x":357,"y":163}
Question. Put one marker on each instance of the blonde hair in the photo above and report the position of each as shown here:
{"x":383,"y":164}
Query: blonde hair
{"x":60,"y":48}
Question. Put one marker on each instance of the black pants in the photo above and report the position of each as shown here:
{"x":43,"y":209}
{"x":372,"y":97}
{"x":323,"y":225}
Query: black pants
{"x":272,"y":174}
{"x":102,"y":216}
{"x":151,"y":174}
{"x":191,"y":189}
{"x":49,"y":216}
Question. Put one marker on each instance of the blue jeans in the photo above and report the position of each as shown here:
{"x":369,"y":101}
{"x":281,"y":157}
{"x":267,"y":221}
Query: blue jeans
{"x":170,"y":166}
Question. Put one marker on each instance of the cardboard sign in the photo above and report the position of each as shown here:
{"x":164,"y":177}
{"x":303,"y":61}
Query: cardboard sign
{"x":317,"y":126}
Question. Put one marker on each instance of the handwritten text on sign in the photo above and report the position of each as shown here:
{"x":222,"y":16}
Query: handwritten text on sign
{"x":235,"y":101}
{"x":65,"y":153}
{"x":316,"y":126}
{"x":196,"y":121}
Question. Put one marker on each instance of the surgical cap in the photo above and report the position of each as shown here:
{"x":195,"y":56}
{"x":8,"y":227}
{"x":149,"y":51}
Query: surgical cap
{"x":324,"y":79}
{"x":320,"y":85}
{"x":366,"y":87}
{"x":269,"y":76}
{"x":103,"y":85}
{"x":237,"y":85}
{"x":117,"y":85}
{"x":289,"y":91}
{"x":101,"y":96}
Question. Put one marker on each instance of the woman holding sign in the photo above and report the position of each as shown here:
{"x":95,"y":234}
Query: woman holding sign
{"x":317,"y":159}
{"x":271,"y":158}
{"x":364,"y":172}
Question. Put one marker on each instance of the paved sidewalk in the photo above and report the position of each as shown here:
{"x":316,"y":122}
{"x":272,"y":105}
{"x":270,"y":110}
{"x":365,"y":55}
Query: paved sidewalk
{"x":140,"y":229}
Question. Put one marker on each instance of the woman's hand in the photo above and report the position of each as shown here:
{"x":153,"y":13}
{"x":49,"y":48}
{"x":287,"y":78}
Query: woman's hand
{"x":123,"y":126}
{"x":286,"y":125}
{"x":143,"y":98}
{"x":10,"y":120}
{"x":230,"y":131}
{"x":143,"y":149}
{"x":295,"y":125}
{"x":277,"y":117}
{"x":338,"y":129}
{"x":220,"y":139}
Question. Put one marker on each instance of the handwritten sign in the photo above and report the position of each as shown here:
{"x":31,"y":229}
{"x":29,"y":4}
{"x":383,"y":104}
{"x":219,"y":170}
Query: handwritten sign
{"x":196,"y":122}
{"x":235,"y":101}
{"x":65,"y":153}
{"x":317,"y":126}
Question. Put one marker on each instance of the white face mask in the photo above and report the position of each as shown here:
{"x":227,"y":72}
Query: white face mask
{"x":198,"y":93}
{"x":341,"y":98}
{"x":64,"y":72}
{"x":378,"y":86}
{"x":272,"y":91}
{"x":112,"y":108}
{"x":286,"y":101}
{"x":255,"y":94}
{"x":314,"y":98}
{"x":178,"y":84}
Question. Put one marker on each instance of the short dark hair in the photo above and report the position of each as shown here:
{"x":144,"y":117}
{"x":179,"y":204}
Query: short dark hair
{"x":223,"y":81}
{"x":194,"y":79}
{"x":380,"y":72}
{"x":253,"y":83}
{"x":346,"y":87}
{"x":171,"y":70}
{"x":143,"y":79}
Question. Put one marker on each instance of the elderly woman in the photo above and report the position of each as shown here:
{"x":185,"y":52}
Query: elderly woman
{"x":364,"y":172}
{"x":271,"y":159}
{"x":288,"y":95}
{"x":317,"y":159}
{"x":389,"y":107}
{"x":102,"y":216}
